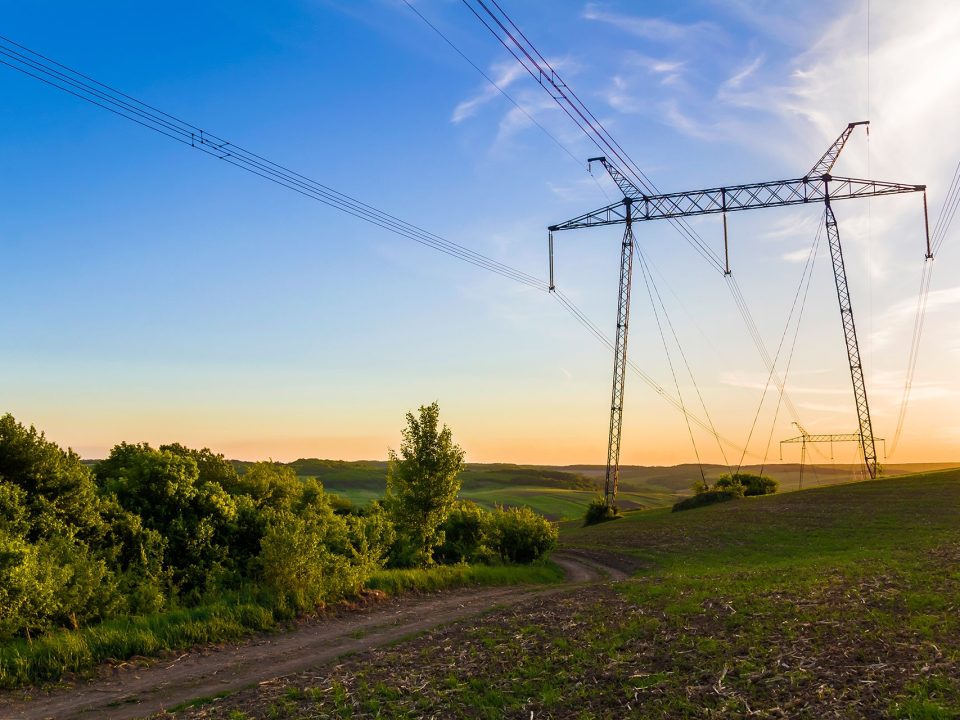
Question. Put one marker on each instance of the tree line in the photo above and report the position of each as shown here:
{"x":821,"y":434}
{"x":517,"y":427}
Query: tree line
{"x":151,"y":529}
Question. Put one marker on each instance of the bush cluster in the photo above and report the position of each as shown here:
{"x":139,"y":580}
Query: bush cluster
{"x":728,"y":486}
{"x":747,"y":484}
{"x":600,"y":510}
{"x":150,"y":530}
{"x":510,"y":535}
{"x":706,"y":497}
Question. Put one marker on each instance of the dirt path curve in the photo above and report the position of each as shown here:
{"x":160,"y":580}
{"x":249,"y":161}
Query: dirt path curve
{"x":139,"y":692}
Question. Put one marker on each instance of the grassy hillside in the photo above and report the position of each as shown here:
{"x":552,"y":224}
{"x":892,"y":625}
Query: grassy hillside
{"x":557,"y":493}
{"x":830,"y":602}
{"x":564,"y":492}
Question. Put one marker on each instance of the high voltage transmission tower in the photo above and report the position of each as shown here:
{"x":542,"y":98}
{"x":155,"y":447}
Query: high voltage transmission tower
{"x":817,"y":186}
{"x":805,"y":438}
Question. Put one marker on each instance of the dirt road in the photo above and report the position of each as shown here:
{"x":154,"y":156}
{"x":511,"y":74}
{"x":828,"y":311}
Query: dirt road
{"x":139,"y":692}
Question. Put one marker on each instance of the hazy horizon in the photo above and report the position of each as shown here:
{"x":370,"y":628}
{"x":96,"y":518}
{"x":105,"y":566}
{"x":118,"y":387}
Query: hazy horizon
{"x":158,"y":295}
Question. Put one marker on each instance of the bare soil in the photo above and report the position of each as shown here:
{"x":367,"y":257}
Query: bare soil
{"x":131,"y":690}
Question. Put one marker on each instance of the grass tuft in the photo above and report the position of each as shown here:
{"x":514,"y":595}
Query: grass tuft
{"x":58,"y":653}
{"x":442,"y":577}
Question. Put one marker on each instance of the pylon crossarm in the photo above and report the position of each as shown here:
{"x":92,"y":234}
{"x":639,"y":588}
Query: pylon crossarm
{"x":836,"y":437}
{"x":825,"y":164}
{"x":623,"y":182}
{"x":779,"y":193}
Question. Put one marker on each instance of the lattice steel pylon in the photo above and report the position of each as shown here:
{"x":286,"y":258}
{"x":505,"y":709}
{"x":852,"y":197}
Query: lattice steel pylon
{"x":805,"y":438}
{"x":816,"y":186}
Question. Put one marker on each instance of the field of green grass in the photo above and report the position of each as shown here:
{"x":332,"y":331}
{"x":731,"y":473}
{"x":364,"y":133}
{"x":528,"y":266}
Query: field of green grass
{"x":557,"y":493}
{"x":562,"y":493}
{"x":828,"y":602}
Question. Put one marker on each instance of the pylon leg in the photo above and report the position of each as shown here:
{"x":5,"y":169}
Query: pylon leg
{"x":867,"y":442}
{"x":619,"y":361}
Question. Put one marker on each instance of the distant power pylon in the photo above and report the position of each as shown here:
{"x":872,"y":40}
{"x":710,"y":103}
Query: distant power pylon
{"x":818,"y":185}
{"x":804,"y":438}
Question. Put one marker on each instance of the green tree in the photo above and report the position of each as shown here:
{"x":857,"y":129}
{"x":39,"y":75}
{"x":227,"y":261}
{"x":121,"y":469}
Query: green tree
{"x":165,"y":490}
{"x":270,"y":484}
{"x":519,"y":535}
{"x":313,"y":556}
{"x":211,"y":466}
{"x":422,"y":484}
{"x":60,"y":497}
{"x":465,"y":535}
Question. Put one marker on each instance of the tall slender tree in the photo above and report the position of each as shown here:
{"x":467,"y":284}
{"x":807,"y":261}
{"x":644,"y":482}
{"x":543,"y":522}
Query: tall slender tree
{"x":422,"y":482}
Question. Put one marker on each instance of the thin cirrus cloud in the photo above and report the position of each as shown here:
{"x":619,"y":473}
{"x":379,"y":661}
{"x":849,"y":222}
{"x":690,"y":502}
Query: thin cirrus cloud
{"x":900,"y":316}
{"x":760,"y":381}
{"x":647,"y":28}
{"x":668,"y":71}
{"x":736,"y":81}
{"x":504,"y":75}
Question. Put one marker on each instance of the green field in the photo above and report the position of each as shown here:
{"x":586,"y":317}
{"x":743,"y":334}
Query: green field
{"x":563,"y":492}
{"x":558,"y":493}
{"x":829,"y":602}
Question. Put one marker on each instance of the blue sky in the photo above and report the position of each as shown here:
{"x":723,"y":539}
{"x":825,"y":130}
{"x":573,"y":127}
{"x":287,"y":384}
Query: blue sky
{"x":156,"y":294}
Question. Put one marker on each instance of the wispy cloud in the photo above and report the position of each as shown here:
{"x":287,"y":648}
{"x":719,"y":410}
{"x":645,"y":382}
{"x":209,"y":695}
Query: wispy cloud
{"x":503,"y":74}
{"x":668,"y":71}
{"x":936,"y":300}
{"x":672,"y":115}
{"x":895,"y":322}
{"x":793,"y":225}
{"x":839,"y":407}
{"x":655,"y":29}
{"x":796,"y":256}
{"x":737,"y":80}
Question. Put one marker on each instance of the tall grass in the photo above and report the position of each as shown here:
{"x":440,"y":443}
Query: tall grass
{"x":442,"y":577}
{"x":57,"y":653}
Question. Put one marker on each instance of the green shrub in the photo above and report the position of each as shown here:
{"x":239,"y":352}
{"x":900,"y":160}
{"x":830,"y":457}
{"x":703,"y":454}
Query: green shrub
{"x":301,"y":563}
{"x":728,"y":487}
{"x":730,"y":483}
{"x":750,"y":484}
{"x":194,"y":517}
{"x":599,"y":510}
{"x":519,"y":535}
{"x":464,"y":535}
{"x":709,"y":497}
{"x":758,"y":485}
{"x":371,"y":536}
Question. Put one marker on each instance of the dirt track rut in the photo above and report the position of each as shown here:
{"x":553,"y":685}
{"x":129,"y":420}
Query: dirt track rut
{"x":140,"y":692}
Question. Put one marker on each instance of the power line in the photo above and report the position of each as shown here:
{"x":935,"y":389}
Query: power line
{"x":666,"y":349}
{"x":503,"y":92}
{"x":947,"y":211}
{"x":926,"y":276}
{"x":539,"y":68}
{"x":55,"y":74}
{"x":808,"y":268}
{"x":592,"y":328}
{"x":940,"y":228}
{"x":648,"y":266}
{"x":512,"y":38}
{"x":33,"y":64}
{"x":811,"y":260}
{"x":492,"y":82}
{"x":741,"y":302}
